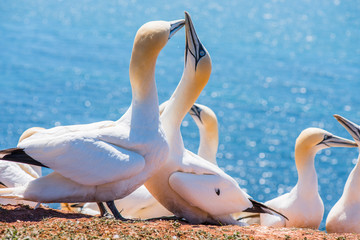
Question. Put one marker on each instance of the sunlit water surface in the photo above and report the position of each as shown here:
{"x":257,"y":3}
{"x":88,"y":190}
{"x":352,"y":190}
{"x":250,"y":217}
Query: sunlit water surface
{"x":278,"y":68}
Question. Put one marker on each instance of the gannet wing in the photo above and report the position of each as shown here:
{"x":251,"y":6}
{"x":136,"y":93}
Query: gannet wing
{"x":34,"y":171}
{"x":87,"y":161}
{"x":214,"y":194}
{"x":12,"y":175}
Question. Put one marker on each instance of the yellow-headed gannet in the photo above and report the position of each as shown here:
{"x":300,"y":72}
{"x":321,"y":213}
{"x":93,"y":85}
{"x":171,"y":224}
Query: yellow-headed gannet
{"x":187,"y":185}
{"x":107,"y":162}
{"x":344,"y":216}
{"x":303,"y":205}
{"x":207,"y":123}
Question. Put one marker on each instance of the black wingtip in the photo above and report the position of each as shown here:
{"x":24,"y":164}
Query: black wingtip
{"x":259,"y":207}
{"x":18,"y":155}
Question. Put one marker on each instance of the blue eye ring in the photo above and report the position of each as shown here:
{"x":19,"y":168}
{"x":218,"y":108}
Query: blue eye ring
{"x":202,"y":53}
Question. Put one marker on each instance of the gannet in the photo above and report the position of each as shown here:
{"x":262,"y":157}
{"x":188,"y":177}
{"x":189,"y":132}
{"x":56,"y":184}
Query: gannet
{"x":207,"y":123}
{"x":303,"y":205}
{"x":140,"y":204}
{"x":187,"y":185}
{"x":108,"y":160}
{"x":344,"y":216}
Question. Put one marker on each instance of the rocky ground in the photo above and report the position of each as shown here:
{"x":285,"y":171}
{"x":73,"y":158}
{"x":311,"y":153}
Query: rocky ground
{"x":22,"y":222}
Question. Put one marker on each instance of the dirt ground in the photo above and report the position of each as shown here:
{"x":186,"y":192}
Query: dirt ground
{"x":23,"y":222}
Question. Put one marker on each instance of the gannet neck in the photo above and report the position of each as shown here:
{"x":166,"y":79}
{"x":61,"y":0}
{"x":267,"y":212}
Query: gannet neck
{"x":149,"y":41}
{"x":206,"y":121}
{"x":208,"y":146}
{"x":351,"y":189}
{"x":209,"y":141}
{"x":307,"y":177}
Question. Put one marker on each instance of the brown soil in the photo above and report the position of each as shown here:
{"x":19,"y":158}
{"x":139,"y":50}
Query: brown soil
{"x":22,"y":222}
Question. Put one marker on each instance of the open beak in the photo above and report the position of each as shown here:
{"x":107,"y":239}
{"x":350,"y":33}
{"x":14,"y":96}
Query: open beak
{"x":176,"y":26}
{"x":351,"y":127}
{"x":193,"y":45}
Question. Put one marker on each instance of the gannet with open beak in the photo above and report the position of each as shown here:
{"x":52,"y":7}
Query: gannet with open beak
{"x":187,"y":185}
{"x":303,"y":205}
{"x":140,"y":204}
{"x":344,"y":216}
{"x":99,"y":164}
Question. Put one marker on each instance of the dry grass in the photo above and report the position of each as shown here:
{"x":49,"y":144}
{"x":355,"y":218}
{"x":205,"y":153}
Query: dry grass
{"x":20,"y":222}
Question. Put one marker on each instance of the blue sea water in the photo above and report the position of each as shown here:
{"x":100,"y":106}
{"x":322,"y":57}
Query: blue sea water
{"x":278,"y":68}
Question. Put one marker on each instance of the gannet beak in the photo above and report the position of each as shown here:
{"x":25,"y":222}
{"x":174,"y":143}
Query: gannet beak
{"x":176,"y":26}
{"x":335,"y":141}
{"x":351,"y":127}
{"x":193,"y":44}
{"x":195,"y":111}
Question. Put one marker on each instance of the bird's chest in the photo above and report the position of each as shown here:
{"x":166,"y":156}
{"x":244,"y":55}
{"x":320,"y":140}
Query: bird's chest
{"x":306,"y":212}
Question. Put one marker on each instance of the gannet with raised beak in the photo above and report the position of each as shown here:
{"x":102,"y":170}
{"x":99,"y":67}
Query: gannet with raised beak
{"x":303,"y":205}
{"x":140,"y":204}
{"x":187,"y":185}
{"x":344,"y":216}
{"x":103,"y":161}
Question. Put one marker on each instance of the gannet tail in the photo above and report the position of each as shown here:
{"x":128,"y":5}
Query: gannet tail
{"x":259,"y":207}
{"x":18,"y":155}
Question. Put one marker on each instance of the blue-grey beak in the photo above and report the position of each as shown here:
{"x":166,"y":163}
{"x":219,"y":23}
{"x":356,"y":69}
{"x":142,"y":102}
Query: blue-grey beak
{"x":176,"y":26}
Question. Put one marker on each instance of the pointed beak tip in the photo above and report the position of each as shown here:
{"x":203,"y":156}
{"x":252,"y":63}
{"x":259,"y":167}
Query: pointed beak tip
{"x":187,"y":15}
{"x":337,"y":117}
{"x":176,"y":26}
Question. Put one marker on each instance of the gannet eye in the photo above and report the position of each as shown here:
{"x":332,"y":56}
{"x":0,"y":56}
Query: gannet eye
{"x":326,"y":137}
{"x":202,"y":53}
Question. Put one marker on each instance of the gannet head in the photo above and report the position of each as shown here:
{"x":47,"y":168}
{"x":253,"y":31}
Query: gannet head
{"x":351,"y":127}
{"x":197,"y":59}
{"x":317,"y":139}
{"x":153,"y":36}
{"x":148,"y":42}
{"x":204,"y":117}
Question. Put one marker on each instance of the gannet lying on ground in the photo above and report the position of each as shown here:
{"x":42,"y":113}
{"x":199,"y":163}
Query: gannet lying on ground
{"x":140,"y":204}
{"x":187,"y":185}
{"x":303,"y":205}
{"x":344,"y":216}
{"x":103,"y":161}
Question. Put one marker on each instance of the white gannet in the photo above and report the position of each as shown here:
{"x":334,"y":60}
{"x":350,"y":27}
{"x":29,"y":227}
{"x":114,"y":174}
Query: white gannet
{"x":207,"y":123}
{"x":108,"y":162}
{"x":140,"y":204}
{"x":187,"y":185}
{"x":303,"y":205}
{"x":344,"y":216}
